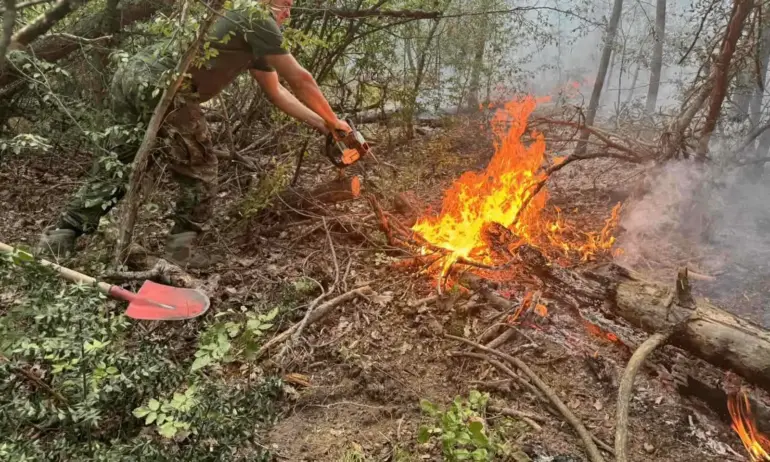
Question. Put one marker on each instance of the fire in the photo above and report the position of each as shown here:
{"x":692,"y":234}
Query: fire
{"x":755,"y":442}
{"x":491,"y":199}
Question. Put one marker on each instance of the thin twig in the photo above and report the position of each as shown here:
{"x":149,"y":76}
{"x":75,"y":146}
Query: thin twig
{"x":682,"y":296}
{"x":528,"y":417}
{"x":504,"y":369}
{"x":697,"y":33}
{"x":585,"y":435}
{"x":536,"y":187}
{"x":37,"y":382}
{"x":318,"y":313}
{"x":78,"y":39}
{"x":295,"y":336}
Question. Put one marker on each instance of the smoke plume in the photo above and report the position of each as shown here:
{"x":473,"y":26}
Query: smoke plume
{"x":712,"y":219}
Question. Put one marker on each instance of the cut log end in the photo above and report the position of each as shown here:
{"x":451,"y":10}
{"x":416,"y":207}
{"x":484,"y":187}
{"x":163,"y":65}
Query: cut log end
{"x":340,"y":190}
{"x":336,"y":191}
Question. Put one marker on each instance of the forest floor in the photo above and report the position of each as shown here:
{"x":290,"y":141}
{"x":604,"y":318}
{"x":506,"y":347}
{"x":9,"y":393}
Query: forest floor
{"x":364,"y":370}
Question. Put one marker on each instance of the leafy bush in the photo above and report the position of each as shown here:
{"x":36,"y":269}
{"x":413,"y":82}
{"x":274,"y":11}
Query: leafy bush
{"x":81,"y":381}
{"x":462,"y":430}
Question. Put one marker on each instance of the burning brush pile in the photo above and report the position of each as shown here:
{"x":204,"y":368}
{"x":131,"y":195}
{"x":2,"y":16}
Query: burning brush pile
{"x":486,"y":215}
{"x":497,"y":224}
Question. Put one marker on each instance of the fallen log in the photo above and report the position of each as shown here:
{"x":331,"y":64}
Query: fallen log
{"x":712,"y":334}
{"x":338,"y":190}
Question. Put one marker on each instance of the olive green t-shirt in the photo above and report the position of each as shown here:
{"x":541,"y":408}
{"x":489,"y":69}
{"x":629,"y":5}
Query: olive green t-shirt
{"x":242,"y":42}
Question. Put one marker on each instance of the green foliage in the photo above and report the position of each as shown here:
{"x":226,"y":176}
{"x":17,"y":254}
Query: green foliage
{"x":462,"y":430}
{"x":168,"y":415}
{"x":24,"y":142}
{"x":229,"y":341}
{"x":80,"y":380}
{"x":264,"y":194}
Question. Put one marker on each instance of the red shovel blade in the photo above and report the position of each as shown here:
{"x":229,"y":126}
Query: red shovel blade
{"x":159,"y":302}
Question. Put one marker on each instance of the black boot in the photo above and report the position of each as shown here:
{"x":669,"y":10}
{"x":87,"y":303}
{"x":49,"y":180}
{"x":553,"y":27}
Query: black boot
{"x":57,"y":243}
{"x":180,"y":250}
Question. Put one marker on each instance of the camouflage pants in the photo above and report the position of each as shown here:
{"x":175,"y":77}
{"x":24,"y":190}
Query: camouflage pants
{"x":184,"y":144}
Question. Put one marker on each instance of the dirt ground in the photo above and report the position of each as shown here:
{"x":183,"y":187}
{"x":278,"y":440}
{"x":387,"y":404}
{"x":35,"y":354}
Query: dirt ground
{"x":371,"y":362}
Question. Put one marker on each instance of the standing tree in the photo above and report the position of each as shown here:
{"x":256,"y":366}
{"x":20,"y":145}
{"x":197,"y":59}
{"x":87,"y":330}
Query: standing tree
{"x":656,"y":65}
{"x":755,"y":107}
{"x":604,"y":62}
{"x":740,"y":11}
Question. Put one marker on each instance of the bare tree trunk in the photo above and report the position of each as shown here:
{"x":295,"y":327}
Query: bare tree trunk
{"x":640,"y":60}
{"x":764,"y":144}
{"x":741,"y":10}
{"x":656,"y":66}
{"x":620,"y":76}
{"x":593,"y":105}
{"x":634,"y":79}
{"x":478,"y":62}
{"x":755,"y":110}
{"x":755,"y":107}
{"x":9,"y":20}
{"x":419,"y":76}
{"x":608,"y":79}
{"x":741,"y":95}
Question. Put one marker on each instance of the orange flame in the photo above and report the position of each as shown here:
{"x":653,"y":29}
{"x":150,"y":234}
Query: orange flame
{"x":478,"y":200}
{"x":755,"y":442}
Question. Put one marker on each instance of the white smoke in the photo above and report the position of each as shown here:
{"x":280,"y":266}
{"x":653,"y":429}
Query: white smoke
{"x":713,"y":219}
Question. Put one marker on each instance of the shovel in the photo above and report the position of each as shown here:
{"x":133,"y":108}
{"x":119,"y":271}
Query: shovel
{"x":155,"y":302}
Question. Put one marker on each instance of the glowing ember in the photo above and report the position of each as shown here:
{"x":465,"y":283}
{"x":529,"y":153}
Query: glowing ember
{"x":755,"y":443}
{"x":490,"y":200}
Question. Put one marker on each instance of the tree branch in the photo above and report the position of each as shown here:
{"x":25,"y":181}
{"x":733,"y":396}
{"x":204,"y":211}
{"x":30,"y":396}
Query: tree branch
{"x":593,"y":452}
{"x":81,"y":40}
{"x":21,"y":6}
{"x":53,"y":47}
{"x":697,"y":33}
{"x":625,"y":390}
{"x":41,"y":24}
{"x":377,"y":13}
{"x":523,"y":9}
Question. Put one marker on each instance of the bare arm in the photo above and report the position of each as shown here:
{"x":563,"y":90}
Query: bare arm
{"x":305,"y":87}
{"x":287,"y":102}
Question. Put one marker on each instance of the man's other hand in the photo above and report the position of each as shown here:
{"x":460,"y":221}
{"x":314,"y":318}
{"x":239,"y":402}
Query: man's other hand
{"x":339,"y":129}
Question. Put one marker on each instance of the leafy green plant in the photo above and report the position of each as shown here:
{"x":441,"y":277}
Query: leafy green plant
{"x":462,"y":429}
{"x":80,"y":381}
{"x":276,"y":178}
{"x":231,"y":340}
{"x":354,"y":454}
{"x":168,"y":414}
{"x":24,"y":142}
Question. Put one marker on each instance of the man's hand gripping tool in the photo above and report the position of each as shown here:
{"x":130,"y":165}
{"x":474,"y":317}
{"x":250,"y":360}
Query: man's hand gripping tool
{"x":350,"y":147}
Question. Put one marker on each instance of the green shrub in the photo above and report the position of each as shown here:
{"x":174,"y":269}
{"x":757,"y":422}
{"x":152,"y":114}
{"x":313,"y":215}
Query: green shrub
{"x":81,"y":381}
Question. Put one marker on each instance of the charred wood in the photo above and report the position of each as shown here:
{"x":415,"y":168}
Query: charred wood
{"x":714,"y":335}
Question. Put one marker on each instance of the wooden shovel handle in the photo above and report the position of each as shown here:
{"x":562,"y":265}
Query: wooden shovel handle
{"x":66,"y":273}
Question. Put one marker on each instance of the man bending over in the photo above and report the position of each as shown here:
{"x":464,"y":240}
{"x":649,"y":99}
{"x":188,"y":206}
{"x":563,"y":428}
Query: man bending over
{"x":245,"y":42}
